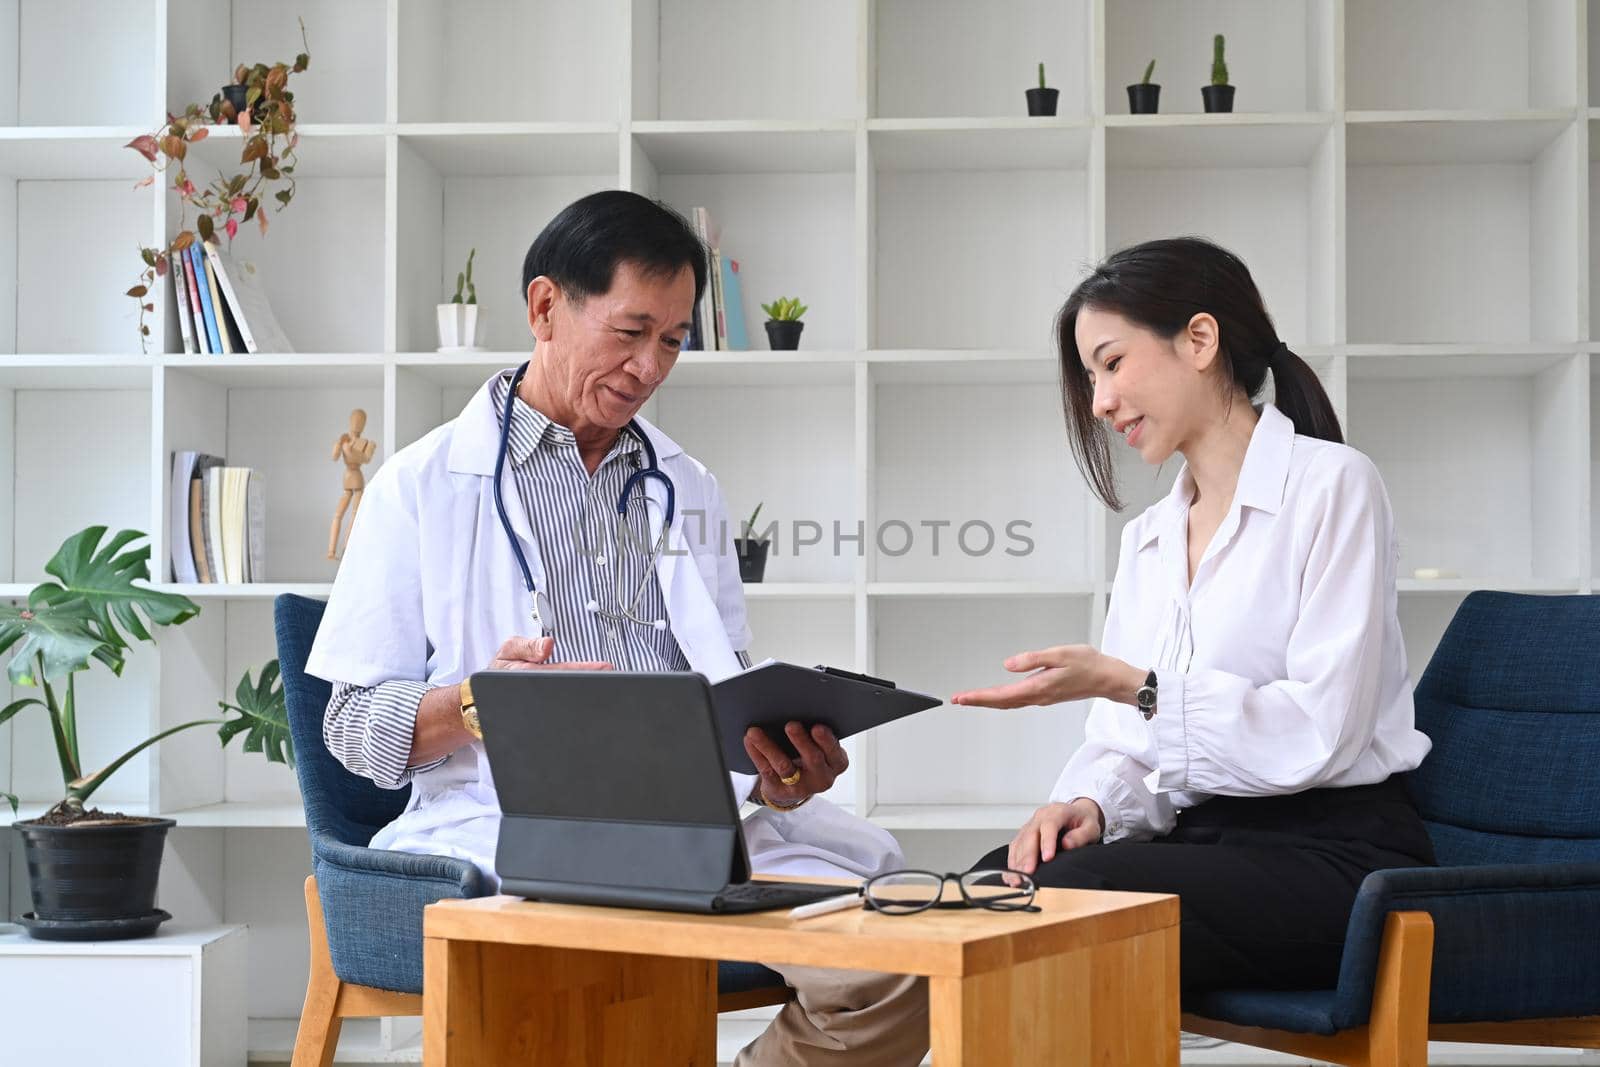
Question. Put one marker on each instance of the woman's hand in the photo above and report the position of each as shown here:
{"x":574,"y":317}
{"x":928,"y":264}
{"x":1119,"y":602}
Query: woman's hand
{"x":1054,"y":827}
{"x":1063,"y":673}
{"x":822,"y":760}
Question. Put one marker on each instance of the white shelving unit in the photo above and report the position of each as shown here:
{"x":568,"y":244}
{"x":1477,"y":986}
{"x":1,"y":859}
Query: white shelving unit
{"x":1412,"y":184}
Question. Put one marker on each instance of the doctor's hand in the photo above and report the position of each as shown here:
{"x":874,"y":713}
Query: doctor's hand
{"x":821,"y":761}
{"x":1063,"y":673}
{"x":1053,"y":828}
{"x":533,"y":653}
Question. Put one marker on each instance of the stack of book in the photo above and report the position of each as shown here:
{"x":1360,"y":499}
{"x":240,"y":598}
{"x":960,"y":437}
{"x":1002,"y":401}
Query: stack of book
{"x":719,"y":317}
{"x":220,"y":304}
{"x":218,"y":521}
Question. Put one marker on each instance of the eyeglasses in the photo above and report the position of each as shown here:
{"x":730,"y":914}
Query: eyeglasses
{"x":908,"y":892}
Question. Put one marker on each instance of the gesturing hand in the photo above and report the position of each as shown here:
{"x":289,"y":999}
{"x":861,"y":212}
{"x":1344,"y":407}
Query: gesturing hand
{"x":821,"y":761}
{"x":1059,"y":674}
{"x":533,"y":654}
{"x":1054,"y":827}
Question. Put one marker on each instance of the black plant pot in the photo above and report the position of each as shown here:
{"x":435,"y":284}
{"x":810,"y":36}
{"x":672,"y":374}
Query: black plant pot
{"x":94,"y":882}
{"x":1144,"y":99}
{"x":1043,"y":101}
{"x":784,"y":336}
{"x":1217,"y":97}
{"x":236,"y":95}
{"x":752,"y":558}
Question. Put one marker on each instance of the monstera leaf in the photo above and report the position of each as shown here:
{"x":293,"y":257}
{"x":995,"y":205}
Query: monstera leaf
{"x":103,"y":580}
{"x":263,"y":717}
{"x":63,"y":632}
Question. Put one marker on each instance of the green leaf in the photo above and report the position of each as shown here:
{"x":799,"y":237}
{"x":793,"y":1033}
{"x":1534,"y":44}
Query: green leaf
{"x":80,"y":788}
{"x":17,"y":705}
{"x":10,"y":798}
{"x":263,"y":717}
{"x":103,"y":578}
{"x":207,"y":228}
{"x":62,"y":633}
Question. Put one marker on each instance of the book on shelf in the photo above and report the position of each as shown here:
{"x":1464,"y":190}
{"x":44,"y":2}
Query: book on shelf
{"x":202,"y":340}
{"x":180,"y":303}
{"x":256,"y":327}
{"x":208,"y":313}
{"x":219,"y":313}
{"x":706,"y":318}
{"x":218,"y":520}
{"x":733,"y":332}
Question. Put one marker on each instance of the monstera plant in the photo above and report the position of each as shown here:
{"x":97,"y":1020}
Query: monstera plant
{"x":92,"y":611}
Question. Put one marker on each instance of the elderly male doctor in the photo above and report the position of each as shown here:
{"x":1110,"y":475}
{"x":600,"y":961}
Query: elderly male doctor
{"x":431,"y":590}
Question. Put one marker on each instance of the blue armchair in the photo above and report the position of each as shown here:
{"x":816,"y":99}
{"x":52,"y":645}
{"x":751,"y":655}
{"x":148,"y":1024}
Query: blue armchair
{"x":1497,"y":944}
{"x":364,"y":905}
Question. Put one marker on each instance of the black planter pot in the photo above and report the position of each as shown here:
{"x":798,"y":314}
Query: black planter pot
{"x":93,"y":881}
{"x":1043,"y":101}
{"x":236,"y":95}
{"x":1144,"y":99}
{"x":783,"y":336}
{"x":1217,"y":97}
{"x":752,"y":558}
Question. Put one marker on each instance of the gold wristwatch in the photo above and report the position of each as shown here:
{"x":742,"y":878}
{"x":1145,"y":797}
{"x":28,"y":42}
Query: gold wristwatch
{"x":469,"y":710}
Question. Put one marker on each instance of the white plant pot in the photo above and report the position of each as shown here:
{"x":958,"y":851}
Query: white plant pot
{"x":458,"y":327}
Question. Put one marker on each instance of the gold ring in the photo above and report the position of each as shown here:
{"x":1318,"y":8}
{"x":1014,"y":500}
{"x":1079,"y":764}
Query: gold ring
{"x":791,"y":779}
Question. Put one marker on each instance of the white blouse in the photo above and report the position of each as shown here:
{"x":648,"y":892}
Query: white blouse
{"x":1281,"y":669}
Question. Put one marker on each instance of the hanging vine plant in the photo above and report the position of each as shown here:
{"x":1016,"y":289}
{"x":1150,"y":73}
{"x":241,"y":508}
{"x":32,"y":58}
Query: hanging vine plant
{"x":267,"y":159}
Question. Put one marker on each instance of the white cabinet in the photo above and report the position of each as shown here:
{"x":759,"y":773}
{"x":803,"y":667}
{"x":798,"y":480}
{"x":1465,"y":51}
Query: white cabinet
{"x":1411,"y":184}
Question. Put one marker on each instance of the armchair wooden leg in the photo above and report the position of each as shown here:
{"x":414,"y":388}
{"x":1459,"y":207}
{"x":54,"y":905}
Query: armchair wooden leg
{"x":318,"y":1036}
{"x":1397,"y":1036}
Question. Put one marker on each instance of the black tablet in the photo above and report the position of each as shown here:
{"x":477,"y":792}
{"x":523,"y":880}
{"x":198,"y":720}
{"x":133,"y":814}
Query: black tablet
{"x":774,"y":694}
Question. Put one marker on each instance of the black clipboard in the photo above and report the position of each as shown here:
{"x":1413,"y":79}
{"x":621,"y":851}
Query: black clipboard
{"x":774,"y":694}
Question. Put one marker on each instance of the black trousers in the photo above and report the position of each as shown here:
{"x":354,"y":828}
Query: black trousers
{"x":1266,"y":883}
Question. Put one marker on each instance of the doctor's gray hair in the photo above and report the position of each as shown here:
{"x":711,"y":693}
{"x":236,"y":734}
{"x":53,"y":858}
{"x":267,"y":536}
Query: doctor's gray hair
{"x":1160,"y":286}
{"x":582,"y":246}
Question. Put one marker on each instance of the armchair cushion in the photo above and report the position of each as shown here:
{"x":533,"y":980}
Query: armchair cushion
{"x":1505,"y":946}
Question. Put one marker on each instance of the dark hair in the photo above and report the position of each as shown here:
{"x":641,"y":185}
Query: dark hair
{"x":582,"y":246}
{"x":1162,"y":285}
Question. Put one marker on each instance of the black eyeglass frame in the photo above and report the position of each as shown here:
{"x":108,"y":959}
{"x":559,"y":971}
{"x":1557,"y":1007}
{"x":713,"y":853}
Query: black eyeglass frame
{"x":1005,"y":903}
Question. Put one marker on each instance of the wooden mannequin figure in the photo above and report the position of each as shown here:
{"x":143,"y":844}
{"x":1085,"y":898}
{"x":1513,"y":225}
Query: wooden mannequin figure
{"x":355,"y":450}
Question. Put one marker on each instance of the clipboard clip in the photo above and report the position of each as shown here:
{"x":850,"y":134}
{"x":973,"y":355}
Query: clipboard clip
{"x":839,"y":672}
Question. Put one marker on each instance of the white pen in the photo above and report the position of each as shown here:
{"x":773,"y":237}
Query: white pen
{"x":823,"y":907}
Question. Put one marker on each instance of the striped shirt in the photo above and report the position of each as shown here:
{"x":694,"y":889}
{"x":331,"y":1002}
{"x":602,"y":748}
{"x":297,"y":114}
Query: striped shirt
{"x":588,"y":562}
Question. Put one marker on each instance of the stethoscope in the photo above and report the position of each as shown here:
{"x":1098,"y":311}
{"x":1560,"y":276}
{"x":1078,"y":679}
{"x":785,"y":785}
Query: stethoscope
{"x":542,"y":610}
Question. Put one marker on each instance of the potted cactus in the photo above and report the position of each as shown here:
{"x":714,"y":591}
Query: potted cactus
{"x":752,"y":550}
{"x":1145,"y":97}
{"x":783,"y":323}
{"x":1218,"y":95}
{"x":1042,"y":100}
{"x":458,"y":320}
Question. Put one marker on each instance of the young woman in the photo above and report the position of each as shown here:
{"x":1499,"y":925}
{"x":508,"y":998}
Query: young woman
{"x":1251,"y":703}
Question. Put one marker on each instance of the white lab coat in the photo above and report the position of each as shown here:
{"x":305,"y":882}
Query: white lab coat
{"x":429,"y":590}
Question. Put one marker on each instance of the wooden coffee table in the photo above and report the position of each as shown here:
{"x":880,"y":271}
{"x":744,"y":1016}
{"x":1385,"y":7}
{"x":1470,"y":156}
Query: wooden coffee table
{"x":1091,"y":979}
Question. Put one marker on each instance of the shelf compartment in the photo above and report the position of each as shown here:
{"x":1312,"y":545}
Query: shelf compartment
{"x":979,"y":145}
{"x":79,"y":62}
{"x":282,"y":421}
{"x":510,"y":149}
{"x":1417,"y":230}
{"x":725,"y":426}
{"x":490,"y":60}
{"x":1280,"y":54}
{"x":1264,"y":192}
{"x":726,"y":59}
{"x":950,"y":57}
{"x":1460,"y":54}
{"x":344,"y":83}
{"x":1516,"y":417}
{"x":1010,"y":243}
{"x":1030,"y":523}
{"x":972,"y":756}
{"x":442,"y":213}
